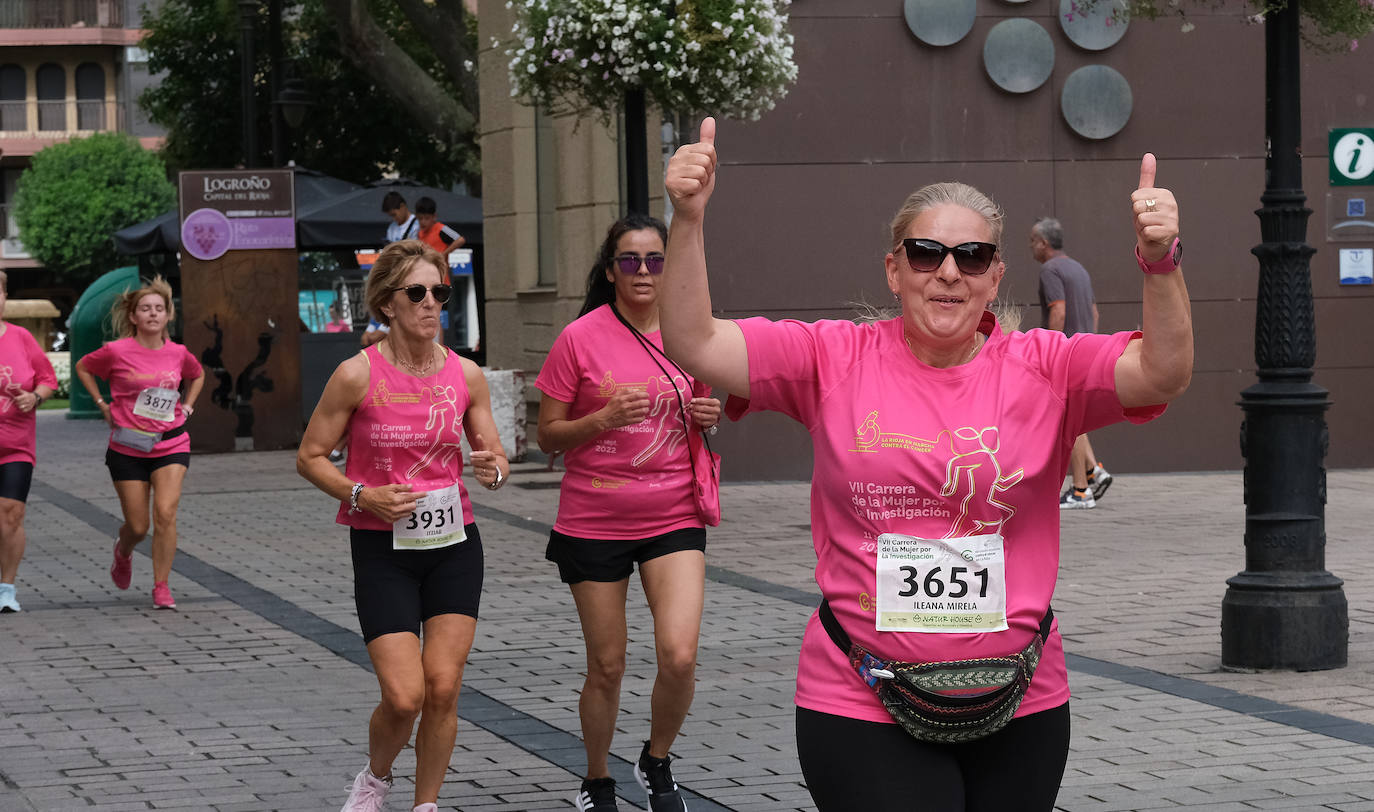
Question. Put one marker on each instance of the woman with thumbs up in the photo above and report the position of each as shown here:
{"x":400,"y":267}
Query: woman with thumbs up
{"x":933,"y":674}
{"x":404,"y":404}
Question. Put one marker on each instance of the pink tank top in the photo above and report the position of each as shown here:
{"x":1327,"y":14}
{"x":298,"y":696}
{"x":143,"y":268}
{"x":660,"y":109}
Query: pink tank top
{"x":407,"y":429}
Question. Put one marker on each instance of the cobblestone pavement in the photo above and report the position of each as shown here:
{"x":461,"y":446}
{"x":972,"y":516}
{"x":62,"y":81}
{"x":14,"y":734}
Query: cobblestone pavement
{"x":255,"y":694}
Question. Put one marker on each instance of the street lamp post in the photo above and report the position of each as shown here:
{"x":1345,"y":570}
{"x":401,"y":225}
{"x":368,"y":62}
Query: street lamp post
{"x":248,"y":10}
{"x":1284,"y":610}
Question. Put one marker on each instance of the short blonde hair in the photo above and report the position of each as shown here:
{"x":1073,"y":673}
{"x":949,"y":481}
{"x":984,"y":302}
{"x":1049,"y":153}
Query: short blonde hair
{"x":391,"y":268}
{"x":948,"y":194}
{"x":127,"y":302}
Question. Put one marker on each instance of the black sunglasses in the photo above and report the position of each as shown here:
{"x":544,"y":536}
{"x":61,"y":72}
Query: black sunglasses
{"x":629,"y":263}
{"x":971,"y":258}
{"x":416,"y":293}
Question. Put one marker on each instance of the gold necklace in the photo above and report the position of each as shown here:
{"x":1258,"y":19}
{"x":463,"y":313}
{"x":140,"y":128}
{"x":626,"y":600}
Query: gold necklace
{"x":423,"y":373}
{"x":978,"y":340}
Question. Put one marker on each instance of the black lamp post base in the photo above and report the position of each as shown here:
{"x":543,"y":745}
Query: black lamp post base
{"x":1297,"y":628}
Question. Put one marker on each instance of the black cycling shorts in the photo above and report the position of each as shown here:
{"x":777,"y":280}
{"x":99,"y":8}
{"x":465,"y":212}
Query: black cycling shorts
{"x":15,"y":480}
{"x":397,"y":590}
{"x":124,"y":467}
{"x":611,"y":560}
{"x":854,"y":764}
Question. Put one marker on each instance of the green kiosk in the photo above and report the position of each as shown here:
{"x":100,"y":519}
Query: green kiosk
{"x":90,"y":328}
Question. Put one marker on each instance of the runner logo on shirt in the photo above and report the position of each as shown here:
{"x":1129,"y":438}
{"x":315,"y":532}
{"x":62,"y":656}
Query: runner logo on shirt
{"x":974,"y":479}
{"x":664,"y":418}
{"x":9,"y":390}
{"x":446,"y":421}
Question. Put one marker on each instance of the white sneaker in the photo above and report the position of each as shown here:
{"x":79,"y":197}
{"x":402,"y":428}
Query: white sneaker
{"x":1099,"y":480}
{"x":368,"y":793}
{"x":1073,"y":501}
{"x":7,"y":601}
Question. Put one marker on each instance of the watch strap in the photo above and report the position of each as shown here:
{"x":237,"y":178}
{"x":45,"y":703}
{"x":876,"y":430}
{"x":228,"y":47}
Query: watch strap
{"x":1165,"y":264}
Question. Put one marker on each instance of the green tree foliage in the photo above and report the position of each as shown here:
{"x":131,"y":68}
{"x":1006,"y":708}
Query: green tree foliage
{"x":356,"y":128}
{"x":75,"y":195}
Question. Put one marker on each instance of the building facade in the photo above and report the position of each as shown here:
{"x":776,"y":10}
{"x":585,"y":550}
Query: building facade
{"x":889,"y":99}
{"x":68,"y":68}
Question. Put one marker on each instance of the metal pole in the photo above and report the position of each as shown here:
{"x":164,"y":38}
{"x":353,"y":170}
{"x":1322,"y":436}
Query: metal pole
{"x":1284,"y":610}
{"x":636,"y":152}
{"x":248,"y":9}
{"x":276,"y":83}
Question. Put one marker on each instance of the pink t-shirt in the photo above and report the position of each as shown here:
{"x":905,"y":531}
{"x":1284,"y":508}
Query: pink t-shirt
{"x":633,"y":482}
{"x":130,"y":368}
{"x":902,"y":447}
{"x":407,"y":429}
{"x":23,"y":367}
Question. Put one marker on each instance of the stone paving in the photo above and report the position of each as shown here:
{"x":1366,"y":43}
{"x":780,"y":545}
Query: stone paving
{"x":255,"y":694}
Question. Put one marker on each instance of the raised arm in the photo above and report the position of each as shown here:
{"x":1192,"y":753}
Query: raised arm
{"x":711,"y":349}
{"x":1157,"y":367}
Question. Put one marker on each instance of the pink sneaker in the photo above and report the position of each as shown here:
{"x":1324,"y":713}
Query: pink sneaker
{"x":368,"y":793}
{"x":427,"y":808}
{"x":122,"y":570}
{"x":162,"y":596}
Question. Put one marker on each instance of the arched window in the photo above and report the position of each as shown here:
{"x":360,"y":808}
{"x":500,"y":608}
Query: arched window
{"x":90,"y":96}
{"x":52,"y":97}
{"x":14,"y":110}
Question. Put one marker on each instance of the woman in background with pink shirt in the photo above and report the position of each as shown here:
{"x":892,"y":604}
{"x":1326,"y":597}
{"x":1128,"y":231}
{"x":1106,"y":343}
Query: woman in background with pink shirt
{"x":404,"y":404}
{"x":26,"y":380}
{"x":940,"y":443}
{"x":149,"y":450}
{"x":620,"y":411}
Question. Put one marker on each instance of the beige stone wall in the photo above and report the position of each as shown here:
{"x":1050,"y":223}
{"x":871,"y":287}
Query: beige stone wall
{"x":522,"y":316}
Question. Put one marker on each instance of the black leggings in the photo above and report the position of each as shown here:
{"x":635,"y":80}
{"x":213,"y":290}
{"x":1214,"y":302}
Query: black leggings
{"x":852,"y":764}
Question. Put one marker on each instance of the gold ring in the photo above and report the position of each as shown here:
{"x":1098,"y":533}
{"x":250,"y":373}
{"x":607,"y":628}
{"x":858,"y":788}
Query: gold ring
{"x":1150,"y":204}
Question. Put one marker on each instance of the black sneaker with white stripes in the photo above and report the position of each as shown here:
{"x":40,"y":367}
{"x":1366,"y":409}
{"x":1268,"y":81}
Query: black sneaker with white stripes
{"x":656,"y":777}
{"x":597,"y":795}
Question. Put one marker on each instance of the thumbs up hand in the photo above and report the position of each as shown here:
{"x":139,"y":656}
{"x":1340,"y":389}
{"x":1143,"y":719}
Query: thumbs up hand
{"x":1155,"y":212}
{"x":691,"y":175}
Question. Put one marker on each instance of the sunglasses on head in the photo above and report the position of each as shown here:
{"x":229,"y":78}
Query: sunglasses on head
{"x":971,"y":258}
{"x":629,"y":263}
{"x":416,"y":293}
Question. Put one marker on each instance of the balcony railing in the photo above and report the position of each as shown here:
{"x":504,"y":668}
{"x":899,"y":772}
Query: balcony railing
{"x":61,"y":13}
{"x":59,"y":117}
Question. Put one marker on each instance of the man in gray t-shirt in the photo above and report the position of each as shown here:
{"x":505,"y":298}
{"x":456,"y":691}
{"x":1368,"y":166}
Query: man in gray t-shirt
{"x":1067,"y":305}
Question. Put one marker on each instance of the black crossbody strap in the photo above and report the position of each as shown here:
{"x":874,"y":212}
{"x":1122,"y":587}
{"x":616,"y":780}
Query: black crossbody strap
{"x":841,"y":639}
{"x":681,"y":407}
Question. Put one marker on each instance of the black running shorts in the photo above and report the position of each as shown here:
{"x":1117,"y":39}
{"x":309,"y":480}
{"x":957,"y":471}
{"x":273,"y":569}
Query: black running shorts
{"x":397,"y":590}
{"x":124,"y":467}
{"x":15,"y":480}
{"x":610,"y":560}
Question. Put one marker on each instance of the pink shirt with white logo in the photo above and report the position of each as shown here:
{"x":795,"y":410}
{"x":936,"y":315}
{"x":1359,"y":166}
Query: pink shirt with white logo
{"x":985,"y":445}
{"x":632,"y":482}
{"x":129,"y":368}
{"x":407,"y":429}
{"x":23,"y":367}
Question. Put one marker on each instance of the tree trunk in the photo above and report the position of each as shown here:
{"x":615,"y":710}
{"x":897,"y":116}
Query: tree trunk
{"x":369,"y":47}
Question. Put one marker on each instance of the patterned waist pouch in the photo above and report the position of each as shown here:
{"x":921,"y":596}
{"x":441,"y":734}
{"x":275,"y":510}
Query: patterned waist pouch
{"x":951,"y":701}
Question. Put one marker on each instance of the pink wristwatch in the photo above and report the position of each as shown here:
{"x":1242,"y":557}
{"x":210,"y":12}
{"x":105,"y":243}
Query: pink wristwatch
{"x":1165,"y":264}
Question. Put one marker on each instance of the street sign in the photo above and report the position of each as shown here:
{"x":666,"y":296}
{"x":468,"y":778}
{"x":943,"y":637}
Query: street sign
{"x":1352,"y":156}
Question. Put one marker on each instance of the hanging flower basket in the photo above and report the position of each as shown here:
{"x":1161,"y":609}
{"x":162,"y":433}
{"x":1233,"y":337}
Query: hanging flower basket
{"x":726,"y":57}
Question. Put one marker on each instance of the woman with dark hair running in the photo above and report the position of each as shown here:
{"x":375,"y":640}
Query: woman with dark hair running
{"x":26,"y":380}
{"x":628,"y":419}
{"x":404,"y":403}
{"x":149,"y":449}
{"x":940,"y":442}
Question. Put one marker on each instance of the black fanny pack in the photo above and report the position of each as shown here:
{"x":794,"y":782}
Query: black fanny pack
{"x":949,"y":702}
